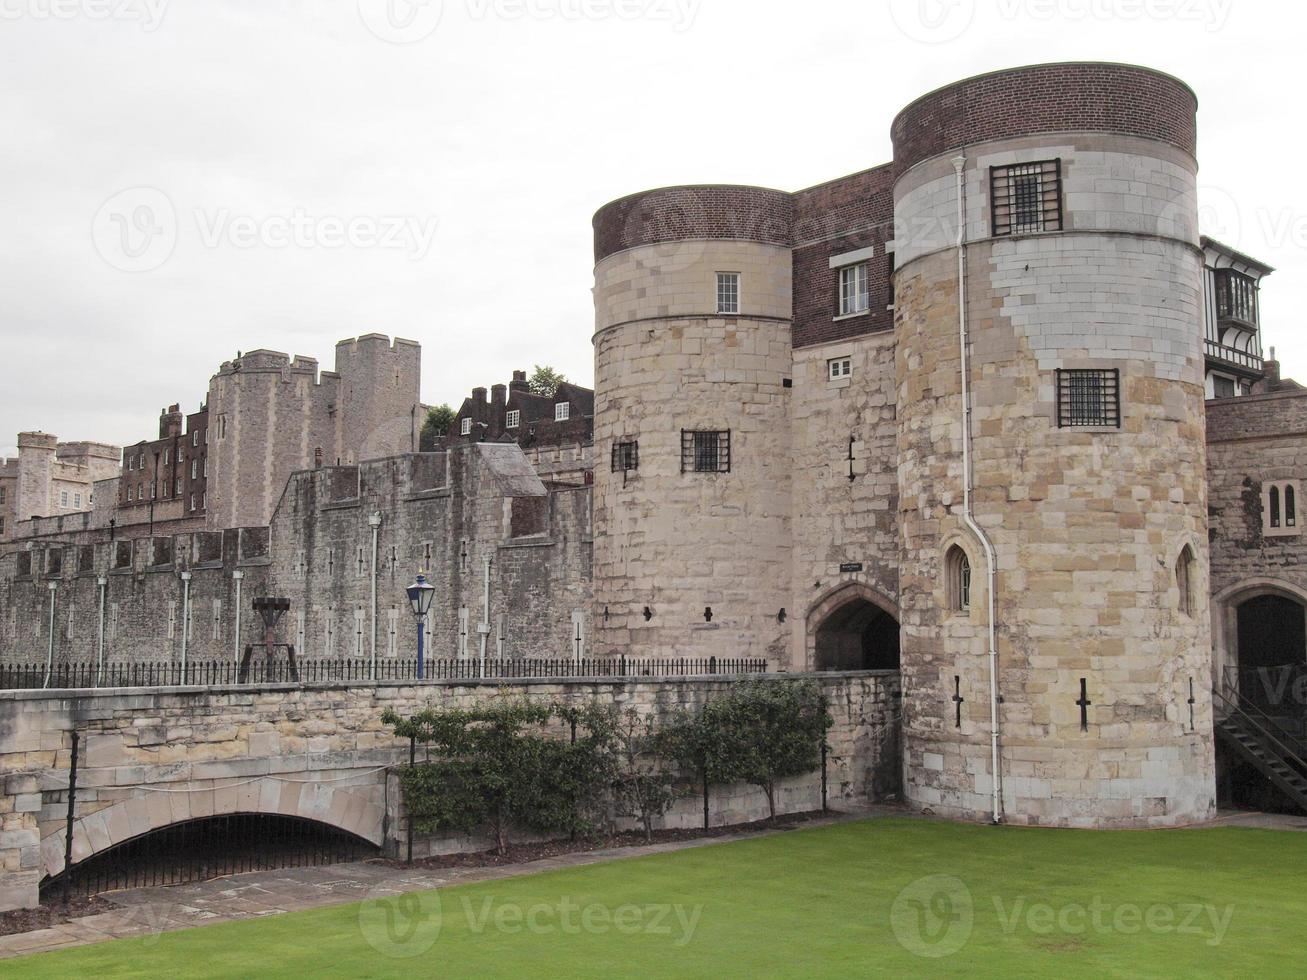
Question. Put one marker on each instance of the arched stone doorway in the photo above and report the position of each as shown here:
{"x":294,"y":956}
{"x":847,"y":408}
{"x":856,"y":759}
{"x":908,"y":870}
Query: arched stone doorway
{"x":1260,"y":628}
{"x":853,"y":629}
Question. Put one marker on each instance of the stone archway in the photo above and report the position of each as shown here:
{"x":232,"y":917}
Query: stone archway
{"x":347,"y":808}
{"x":853,"y":628}
{"x":1258,"y":623}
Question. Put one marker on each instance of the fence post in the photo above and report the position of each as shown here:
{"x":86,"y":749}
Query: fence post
{"x":712,"y":665}
{"x":412,"y":756}
{"x":823,"y":774}
{"x":68,"y":827}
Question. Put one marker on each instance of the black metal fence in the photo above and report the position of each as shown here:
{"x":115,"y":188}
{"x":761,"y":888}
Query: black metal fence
{"x":226,"y":672}
{"x":211,"y":847}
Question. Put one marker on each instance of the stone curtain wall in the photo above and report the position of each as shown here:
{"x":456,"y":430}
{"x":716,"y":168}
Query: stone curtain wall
{"x":315,"y":751}
{"x":143,"y":597}
{"x":1252,"y":440}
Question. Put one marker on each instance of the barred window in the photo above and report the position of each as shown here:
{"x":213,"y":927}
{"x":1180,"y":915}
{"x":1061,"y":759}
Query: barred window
{"x":705,"y":451}
{"x":855,"y":296}
{"x":728,"y":292}
{"x":626,"y":456}
{"x":1026,"y":197}
{"x":1088,"y":398}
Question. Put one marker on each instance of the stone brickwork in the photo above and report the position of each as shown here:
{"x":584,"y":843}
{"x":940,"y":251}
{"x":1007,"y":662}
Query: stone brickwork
{"x":1087,"y":524}
{"x":154,"y":757}
{"x":270,"y":415}
{"x":690,"y":563}
{"x":445,"y":514}
{"x":1252,"y":440}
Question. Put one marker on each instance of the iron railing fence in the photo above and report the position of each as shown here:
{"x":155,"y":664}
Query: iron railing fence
{"x":206,"y":673}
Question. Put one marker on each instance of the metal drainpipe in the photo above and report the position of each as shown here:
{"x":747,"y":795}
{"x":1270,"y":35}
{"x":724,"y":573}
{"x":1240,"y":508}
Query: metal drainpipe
{"x":53,"y":587}
{"x":103,"y":583}
{"x":238,"y":576}
{"x":959,"y":164}
{"x":374,"y":521}
{"x":186,"y":617}
{"x":484,"y":626}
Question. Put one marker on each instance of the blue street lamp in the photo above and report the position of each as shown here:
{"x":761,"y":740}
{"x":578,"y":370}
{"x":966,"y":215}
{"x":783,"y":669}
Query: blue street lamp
{"x":420,"y":594}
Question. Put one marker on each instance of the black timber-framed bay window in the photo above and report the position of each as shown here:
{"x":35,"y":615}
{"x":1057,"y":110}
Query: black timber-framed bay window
{"x":1236,"y":297}
{"x":705,"y":450}
{"x":1026,"y":197}
{"x":626,"y":456}
{"x":1088,"y":397}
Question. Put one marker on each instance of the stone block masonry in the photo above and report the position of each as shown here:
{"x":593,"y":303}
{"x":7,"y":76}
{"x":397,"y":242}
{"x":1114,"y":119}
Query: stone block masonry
{"x":154,"y":757}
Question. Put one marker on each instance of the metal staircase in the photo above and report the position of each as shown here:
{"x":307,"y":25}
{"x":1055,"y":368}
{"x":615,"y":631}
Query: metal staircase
{"x":1263,"y":743}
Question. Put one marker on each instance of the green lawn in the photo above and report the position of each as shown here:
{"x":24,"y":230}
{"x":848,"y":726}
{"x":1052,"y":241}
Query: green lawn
{"x":895,"y":895}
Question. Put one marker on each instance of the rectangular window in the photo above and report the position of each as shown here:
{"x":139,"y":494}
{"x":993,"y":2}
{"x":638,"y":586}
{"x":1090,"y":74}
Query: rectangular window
{"x":1236,"y":296}
{"x":1222,"y":387}
{"x":512,"y":419}
{"x":195,"y":438}
{"x":77,"y":500}
{"x":626,"y":456}
{"x":705,"y":451}
{"x":1026,"y":197}
{"x":179,"y":486}
{"x":839,"y":367}
{"x":1088,"y":398}
{"x":889,"y":278}
{"x":465,"y":427}
{"x":63,"y":499}
{"x":562,"y":412}
{"x":728,"y":292}
{"x":205,"y":469}
{"x":165,"y":456}
{"x":854,"y":291}
{"x":3,"y":492}
{"x":192,"y":501}
{"x":195,"y":468}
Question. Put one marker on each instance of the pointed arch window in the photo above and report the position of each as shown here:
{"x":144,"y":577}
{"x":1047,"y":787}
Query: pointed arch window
{"x":958,"y":569}
{"x":1184,"y":576}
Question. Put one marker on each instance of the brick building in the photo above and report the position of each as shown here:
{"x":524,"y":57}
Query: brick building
{"x":556,"y":431}
{"x":166,"y":478}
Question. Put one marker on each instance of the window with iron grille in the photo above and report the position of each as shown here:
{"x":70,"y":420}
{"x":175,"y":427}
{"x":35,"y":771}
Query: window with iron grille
{"x":1026,"y":197}
{"x":705,"y":451}
{"x":1088,"y":398}
{"x":728,"y":292}
{"x":626,"y":456}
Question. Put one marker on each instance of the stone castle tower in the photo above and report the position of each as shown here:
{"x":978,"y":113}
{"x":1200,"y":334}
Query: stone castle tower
{"x":270,"y":415}
{"x":1080,"y":302}
{"x":991,"y":473}
{"x":684,"y":564}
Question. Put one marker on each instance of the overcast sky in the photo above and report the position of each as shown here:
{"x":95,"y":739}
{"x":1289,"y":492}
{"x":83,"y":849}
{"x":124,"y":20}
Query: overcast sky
{"x":181,"y":180}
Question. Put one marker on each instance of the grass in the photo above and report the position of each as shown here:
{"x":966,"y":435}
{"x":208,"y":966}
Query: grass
{"x":874,"y":897}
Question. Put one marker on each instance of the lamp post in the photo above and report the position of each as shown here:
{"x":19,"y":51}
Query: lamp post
{"x":420,"y":594}
{"x":103,"y":583}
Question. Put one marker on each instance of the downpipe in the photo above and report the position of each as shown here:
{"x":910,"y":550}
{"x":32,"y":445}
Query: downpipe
{"x":186,"y":618}
{"x":483,"y":627}
{"x":53,"y":588}
{"x":103,"y":583}
{"x":991,"y":564}
{"x":374,"y":521}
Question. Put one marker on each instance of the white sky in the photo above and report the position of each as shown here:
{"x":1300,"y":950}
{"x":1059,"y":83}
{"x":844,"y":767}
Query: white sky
{"x":506,"y":126}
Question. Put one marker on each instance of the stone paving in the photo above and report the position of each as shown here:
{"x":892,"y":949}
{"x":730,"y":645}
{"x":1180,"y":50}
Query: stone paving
{"x":150,"y":911}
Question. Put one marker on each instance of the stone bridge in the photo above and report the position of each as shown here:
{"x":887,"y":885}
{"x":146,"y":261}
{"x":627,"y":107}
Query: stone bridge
{"x":154,"y":757}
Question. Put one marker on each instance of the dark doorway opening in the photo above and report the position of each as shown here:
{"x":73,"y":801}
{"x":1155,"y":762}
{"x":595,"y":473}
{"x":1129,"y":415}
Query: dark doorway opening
{"x":211,"y":847}
{"x":1272,"y":650}
{"x":859,"y":635}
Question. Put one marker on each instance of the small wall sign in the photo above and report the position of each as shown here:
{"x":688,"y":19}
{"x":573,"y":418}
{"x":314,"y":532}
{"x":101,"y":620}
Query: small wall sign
{"x":850,"y":566}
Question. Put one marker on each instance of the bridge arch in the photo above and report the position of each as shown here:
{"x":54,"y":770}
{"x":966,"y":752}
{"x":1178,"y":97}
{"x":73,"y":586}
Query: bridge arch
{"x":350,"y":808}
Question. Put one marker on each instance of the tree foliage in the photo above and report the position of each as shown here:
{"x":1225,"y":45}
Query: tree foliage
{"x":545,"y":380}
{"x":435,"y":425}
{"x":644,"y":785}
{"x":497,"y":766}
